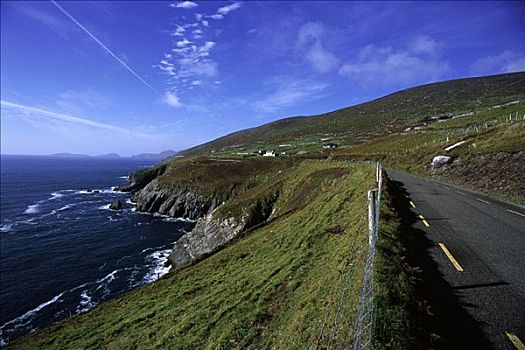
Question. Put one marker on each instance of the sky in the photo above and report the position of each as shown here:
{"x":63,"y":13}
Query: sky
{"x":130,"y":77}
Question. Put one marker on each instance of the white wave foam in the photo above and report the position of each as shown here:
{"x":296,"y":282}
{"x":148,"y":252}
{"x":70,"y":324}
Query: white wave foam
{"x":124,"y":177}
{"x":150,"y":249}
{"x":21,"y":320}
{"x":158,"y":264}
{"x":167,"y":217}
{"x":6,"y":227}
{"x":55,"y":195}
{"x":65,"y":207}
{"x":171,"y":219}
{"x":106,"y":207}
{"x":86,"y":303}
{"x":32,"y":209}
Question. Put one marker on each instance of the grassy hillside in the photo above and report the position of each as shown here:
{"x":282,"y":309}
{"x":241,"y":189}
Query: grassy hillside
{"x":276,"y":287}
{"x":407,"y":129}
{"x":383,"y":116}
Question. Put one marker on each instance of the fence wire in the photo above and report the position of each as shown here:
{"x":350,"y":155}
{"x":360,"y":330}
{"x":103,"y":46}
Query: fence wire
{"x":366,"y":313}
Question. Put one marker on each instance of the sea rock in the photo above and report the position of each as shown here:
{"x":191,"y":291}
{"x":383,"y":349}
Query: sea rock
{"x":116,"y":205}
{"x":439,"y":161}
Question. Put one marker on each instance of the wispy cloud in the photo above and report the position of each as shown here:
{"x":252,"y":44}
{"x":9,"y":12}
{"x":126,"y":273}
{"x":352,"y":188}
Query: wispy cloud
{"x":289,"y":93}
{"x":185,"y":5}
{"x":42,"y":17}
{"x":228,"y":8}
{"x":506,"y":62}
{"x":418,"y":62}
{"x":70,"y":119}
{"x":171,"y":99}
{"x":312,"y":47}
{"x":101,"y":44}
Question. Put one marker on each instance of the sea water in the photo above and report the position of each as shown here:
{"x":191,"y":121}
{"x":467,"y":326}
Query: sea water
{"x":62,"y":250}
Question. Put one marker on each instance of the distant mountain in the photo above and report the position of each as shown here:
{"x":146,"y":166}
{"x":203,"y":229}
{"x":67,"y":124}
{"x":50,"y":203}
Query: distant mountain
{"x":154,"y":156}
{"x":69,"y":155}
{"x":109,"y":155}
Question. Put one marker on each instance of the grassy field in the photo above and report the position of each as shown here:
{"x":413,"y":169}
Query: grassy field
{"x":276,"y":287}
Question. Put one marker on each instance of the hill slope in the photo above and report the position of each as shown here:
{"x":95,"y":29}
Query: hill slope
{"x":381,"y":116}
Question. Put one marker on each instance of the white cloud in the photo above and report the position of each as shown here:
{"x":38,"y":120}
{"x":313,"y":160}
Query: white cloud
{"x":171,"y":99}
{"x":321,"y":60}
{"x":34,"y":111}
{"x":228,"y":8}
{"x":205,"y":68}
{"x":312,"y":48}
{"x":183,"y":42}
{"x":424,"y":45}
{"x":290,"y":93}
{"x":190,"y":58}
{"x":506,"y":62}
{"x":185,"y":5}
{"x":387,"y":66}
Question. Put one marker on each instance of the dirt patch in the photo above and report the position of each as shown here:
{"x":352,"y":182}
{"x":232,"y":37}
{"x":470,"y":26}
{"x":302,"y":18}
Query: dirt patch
{"x":498,"y":174}
{"x":336,"y":230}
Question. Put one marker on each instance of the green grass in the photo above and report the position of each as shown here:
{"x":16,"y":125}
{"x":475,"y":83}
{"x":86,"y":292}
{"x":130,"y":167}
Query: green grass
{"x":271,"y":288}
{"x":369,"y":120}
{"x":396,"y":323}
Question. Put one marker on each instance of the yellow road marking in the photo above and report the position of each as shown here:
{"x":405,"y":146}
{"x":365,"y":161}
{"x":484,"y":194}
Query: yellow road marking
{"x":412,"y":204}
{"x":515,"y":212}
{"x":451,"y":258}
{"x":461,"y":193}
{"x":424,"y":221}
{"x":482,"y":201}
{"x":515,"y":340}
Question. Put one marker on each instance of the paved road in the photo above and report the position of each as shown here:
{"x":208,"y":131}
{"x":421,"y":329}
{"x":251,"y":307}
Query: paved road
{"x":477,"y":245}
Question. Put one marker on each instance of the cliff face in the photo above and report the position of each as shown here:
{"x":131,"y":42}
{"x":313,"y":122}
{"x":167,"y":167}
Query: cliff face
{"x":139,"y":179}
{"x":223,"y":203}
{"x":178,"y":201}
{"x":214,"y":230}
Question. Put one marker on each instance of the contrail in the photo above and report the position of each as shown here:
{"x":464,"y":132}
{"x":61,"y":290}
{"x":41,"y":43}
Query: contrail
{"x":104,"y":46}
{"x":72,"y":119}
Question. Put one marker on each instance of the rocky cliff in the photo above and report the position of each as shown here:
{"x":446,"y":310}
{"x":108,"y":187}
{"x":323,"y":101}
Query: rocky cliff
{"x":201,"y":191}
{"x":215,"y":230}
{"x":140,"y":178}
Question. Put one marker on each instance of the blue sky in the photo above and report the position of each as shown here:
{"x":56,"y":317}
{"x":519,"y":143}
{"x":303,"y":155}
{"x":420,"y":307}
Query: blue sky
{"x":129,"y":77}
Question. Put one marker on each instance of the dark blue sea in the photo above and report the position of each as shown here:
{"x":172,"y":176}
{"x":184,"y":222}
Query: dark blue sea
{"x":62,"y":251}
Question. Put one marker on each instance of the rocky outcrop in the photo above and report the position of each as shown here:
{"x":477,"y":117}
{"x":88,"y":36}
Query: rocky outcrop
{"x":116,"y":205}
{"x":141,"y":178}
{"x":213,"y":231}
{"x":208,"y":234}
{"x":176,"y":201}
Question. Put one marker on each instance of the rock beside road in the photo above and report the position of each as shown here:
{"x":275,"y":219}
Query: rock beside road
{"x":439,"y":161}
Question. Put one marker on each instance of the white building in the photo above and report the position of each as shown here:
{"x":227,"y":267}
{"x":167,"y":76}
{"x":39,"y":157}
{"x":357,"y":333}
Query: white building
{"x":269,"y":153}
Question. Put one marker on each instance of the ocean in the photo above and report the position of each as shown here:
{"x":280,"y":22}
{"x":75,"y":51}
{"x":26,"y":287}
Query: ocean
{"x":62,"y":251}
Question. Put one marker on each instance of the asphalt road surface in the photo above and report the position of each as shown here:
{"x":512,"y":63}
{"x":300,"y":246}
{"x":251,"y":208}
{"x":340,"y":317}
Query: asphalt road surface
{"x":477,"y":247}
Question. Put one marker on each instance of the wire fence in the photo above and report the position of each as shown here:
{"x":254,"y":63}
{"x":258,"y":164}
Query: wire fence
{"x":364,"y":323}
{"x":344,"y":324}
